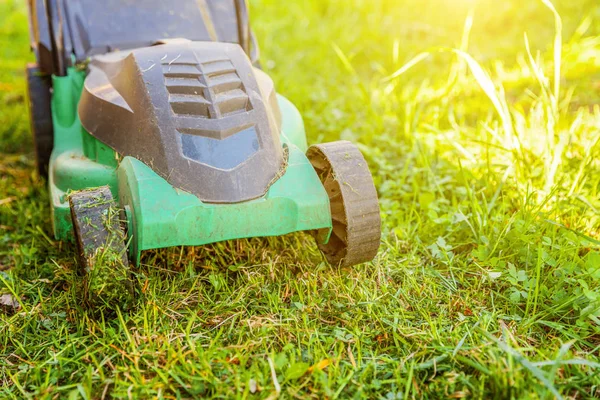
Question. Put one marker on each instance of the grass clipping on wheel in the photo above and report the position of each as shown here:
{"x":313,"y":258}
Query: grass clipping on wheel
{"x":103,"y":253}
{"x":107,"y":284}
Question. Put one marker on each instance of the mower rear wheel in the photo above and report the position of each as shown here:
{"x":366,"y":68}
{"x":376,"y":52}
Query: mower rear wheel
{"x":40,"y":116}
{"x":356,"y":233}
{"x":100,"y":239}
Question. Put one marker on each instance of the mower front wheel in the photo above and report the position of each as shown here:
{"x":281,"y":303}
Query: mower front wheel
{"x":344,"y":173}
{"x":102,"y":250}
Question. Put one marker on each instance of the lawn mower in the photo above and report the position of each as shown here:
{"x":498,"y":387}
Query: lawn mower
{"x":156,"y":127}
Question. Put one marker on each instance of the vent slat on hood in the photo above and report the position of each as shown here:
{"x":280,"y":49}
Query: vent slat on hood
{"x":212,"y":88}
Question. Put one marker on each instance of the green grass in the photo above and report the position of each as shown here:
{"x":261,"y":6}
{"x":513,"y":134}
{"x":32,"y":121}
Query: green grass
{"x":487,"y":280}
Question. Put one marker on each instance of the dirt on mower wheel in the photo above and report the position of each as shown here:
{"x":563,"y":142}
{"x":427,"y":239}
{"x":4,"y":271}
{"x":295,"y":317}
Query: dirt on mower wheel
{"x":353,"y":200}
{"x":102,"y":249}
{"x":40,"y":116}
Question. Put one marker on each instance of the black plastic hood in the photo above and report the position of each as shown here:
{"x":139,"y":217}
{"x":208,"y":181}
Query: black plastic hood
{"x":197,"y":113}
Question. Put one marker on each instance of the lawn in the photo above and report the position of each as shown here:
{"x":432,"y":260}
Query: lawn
{"x":484,"y":145}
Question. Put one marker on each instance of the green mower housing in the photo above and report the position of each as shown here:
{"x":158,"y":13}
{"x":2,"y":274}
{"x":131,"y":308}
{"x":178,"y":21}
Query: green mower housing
{"x":186,"y":137}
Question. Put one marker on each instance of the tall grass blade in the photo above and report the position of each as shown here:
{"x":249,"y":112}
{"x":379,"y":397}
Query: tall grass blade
{"x":557,"y":48}
{"x":411,"y":63}
{"x":487,"y":85}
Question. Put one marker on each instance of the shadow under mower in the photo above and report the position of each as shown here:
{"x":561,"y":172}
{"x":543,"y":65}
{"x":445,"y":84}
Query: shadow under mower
{"x":158,"y":110}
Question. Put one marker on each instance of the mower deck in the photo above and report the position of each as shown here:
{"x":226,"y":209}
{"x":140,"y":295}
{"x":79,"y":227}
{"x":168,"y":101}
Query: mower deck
{"x":159,"y":215}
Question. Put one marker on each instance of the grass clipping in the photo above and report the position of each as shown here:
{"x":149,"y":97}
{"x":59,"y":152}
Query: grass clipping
{"x":107,"y":281}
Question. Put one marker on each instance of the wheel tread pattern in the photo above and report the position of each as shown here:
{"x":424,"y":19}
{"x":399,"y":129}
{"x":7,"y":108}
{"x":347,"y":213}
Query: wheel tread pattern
{"x":96,"y":225}
{"x":357,"y":207}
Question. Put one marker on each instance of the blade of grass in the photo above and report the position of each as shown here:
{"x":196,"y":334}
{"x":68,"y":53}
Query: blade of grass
{"x":486,"y":84}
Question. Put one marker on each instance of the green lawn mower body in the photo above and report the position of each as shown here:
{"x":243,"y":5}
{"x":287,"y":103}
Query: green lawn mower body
{"x":159,"y":109}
